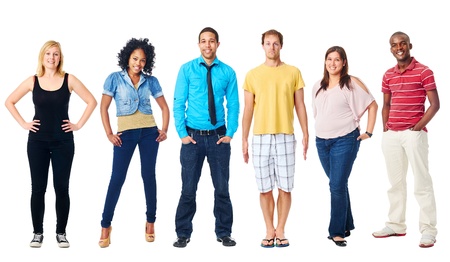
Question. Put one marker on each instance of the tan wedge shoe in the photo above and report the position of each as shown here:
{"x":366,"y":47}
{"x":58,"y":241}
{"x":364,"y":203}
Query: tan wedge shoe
{"x":149,"y":237}
{"x":104,"y":242}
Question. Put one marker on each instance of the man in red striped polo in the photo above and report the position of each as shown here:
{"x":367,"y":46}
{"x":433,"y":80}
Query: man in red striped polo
{"x":406,"y":87}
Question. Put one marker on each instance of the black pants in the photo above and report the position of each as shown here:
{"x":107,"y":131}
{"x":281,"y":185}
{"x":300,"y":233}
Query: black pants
{"x":40,"y":153}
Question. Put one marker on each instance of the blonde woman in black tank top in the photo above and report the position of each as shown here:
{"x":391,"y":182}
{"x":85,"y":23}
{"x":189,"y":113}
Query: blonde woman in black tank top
{"x":50,"y":138}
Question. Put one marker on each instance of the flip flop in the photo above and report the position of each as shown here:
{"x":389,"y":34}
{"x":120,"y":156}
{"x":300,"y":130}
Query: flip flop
{"x":269,"y":241}
{"x":281,"y":244}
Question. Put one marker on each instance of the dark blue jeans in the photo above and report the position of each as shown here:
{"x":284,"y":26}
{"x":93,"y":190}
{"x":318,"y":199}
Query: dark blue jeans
{"x":192,"y":157}
{"x":337,"y":156}
{"x":145,"y":138}
{"x":40,"y":153}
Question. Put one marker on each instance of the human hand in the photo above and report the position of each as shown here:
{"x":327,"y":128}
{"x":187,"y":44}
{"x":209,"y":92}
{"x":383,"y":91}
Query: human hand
{"x":245,"y":151}
{"x":68,"y":126}
{"x":115,"y":139}
{"x":363,"y":136}
{"x":305,"y":143}
{"x":187,"y":140}
{"x":31,"y":126}
{"x":162,"y":136}
{"x":224,"y":139}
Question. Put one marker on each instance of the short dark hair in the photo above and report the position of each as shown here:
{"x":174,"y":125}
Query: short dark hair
{"x":211,"y":30}
{"x":400,"y":33}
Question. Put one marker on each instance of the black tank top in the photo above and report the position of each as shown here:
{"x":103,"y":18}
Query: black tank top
{"x":51,"y":108}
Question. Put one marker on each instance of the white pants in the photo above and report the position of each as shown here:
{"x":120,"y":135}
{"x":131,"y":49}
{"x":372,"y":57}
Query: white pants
{"x":399,"y":149}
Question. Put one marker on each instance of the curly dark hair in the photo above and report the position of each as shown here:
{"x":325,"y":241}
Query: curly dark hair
{"x":133,"y":44}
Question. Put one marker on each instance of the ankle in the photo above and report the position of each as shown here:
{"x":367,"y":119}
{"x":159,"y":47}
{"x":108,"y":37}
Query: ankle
{"x":150,"y":228}
{"x":105,"y":233}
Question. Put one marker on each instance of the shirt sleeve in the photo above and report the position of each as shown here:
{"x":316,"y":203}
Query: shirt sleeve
{"x":110,"y":86}
{"x":359,"y":100}
{"x":232,"y":97}
{"x":179,"y":103}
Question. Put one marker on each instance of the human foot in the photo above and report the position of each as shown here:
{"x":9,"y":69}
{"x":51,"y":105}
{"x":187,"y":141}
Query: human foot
{"x":267,"y":242}
{"x":149,"y":232}
{"x":105,"y":238}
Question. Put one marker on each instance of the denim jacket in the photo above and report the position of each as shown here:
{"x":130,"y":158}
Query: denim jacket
{"x":129,"y":99}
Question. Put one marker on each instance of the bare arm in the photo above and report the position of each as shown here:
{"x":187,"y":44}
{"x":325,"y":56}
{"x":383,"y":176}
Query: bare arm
{"x":371,"y":118}
{"x":300,"y":109}
{"x":10,"y":103}
{"x":249,"y":99}
{"x":385,"y":110}
{"x":372,"y":111}
{"x":165,"y":118}
{"x":104,"y":106}
{"x":80,"y":89}
{"x":433,"y":98}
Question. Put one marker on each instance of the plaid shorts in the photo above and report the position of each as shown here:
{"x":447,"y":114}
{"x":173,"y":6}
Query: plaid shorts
{"x":274,"y":161}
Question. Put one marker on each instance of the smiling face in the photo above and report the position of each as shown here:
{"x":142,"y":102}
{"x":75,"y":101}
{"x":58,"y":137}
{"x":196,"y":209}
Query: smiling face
{"x":51,"y":58}
{"x":334,"y":63}
{"x":136,"y":62}
{"x":400,"y":47}
{"x":208,"y":46}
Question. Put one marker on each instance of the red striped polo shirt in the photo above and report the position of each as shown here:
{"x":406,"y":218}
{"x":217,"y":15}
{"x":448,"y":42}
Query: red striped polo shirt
{"x":408,"y":94}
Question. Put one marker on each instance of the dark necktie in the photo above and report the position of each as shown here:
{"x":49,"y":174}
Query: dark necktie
{"x":211,"y":104}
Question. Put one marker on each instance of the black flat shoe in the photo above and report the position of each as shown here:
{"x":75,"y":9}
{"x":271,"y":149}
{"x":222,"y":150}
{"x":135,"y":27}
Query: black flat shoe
{"x":227,"y":241}
{"x":347,"y":234}
{"x":339,"y":243}
{"x":181,"y":242}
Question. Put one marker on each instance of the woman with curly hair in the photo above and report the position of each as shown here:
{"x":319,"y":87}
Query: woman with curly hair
{"x":131,"y":89}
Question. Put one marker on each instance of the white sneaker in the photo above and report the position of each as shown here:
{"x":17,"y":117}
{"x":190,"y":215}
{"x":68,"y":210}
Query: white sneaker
{"x":62,"y":240}
{"x":427,"y":241}
{"x":387,"y":232}
{"x":37,"y":240}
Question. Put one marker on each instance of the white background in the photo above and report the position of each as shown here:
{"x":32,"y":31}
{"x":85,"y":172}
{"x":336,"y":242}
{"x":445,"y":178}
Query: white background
{"x":93,"y":32}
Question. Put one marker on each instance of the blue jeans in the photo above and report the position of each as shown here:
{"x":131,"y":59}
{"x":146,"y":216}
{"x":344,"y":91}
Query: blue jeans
{"x":145,"y":138}
{"x":192,"y":157}
{"x":40,"y":154}
{"x":337,"y":156}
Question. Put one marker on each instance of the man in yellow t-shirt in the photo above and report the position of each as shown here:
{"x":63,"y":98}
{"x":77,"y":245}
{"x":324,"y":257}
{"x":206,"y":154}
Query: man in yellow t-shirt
{"x":271,"y":92}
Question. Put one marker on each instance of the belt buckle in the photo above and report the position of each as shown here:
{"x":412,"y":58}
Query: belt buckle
{"x":204,"y":132}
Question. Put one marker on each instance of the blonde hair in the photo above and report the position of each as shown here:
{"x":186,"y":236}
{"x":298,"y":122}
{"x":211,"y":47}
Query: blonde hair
{"x":40,"y":68}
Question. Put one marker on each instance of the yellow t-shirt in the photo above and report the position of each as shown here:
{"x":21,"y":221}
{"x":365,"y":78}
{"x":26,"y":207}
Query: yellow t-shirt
{"x":273,"y":88}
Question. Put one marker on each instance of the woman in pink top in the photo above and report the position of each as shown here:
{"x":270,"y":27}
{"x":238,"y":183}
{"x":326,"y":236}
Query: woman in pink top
{"x":339,"y":101}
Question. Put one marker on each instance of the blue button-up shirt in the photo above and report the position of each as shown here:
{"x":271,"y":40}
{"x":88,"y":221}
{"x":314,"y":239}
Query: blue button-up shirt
{"x":129,"y":99}
{"x":190,"y":105}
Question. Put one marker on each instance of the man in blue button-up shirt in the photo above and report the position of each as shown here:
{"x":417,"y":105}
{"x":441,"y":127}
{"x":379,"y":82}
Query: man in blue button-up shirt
{"x":201,"y":138}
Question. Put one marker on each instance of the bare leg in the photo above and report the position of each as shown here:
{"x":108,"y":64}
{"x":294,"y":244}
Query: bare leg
{"x":268,"y":206}
{"x":105,"y":233}
{"x":283,"y":207}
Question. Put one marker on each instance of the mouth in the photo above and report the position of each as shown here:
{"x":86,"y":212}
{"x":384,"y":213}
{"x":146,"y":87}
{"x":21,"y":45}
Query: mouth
{"x":399,"y":52}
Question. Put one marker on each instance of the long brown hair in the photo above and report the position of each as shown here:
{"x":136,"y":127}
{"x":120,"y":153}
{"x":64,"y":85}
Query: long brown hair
{"x":344,"y":79}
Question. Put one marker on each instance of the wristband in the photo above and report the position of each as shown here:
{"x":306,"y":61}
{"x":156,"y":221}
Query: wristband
{"x":369,"y":134}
